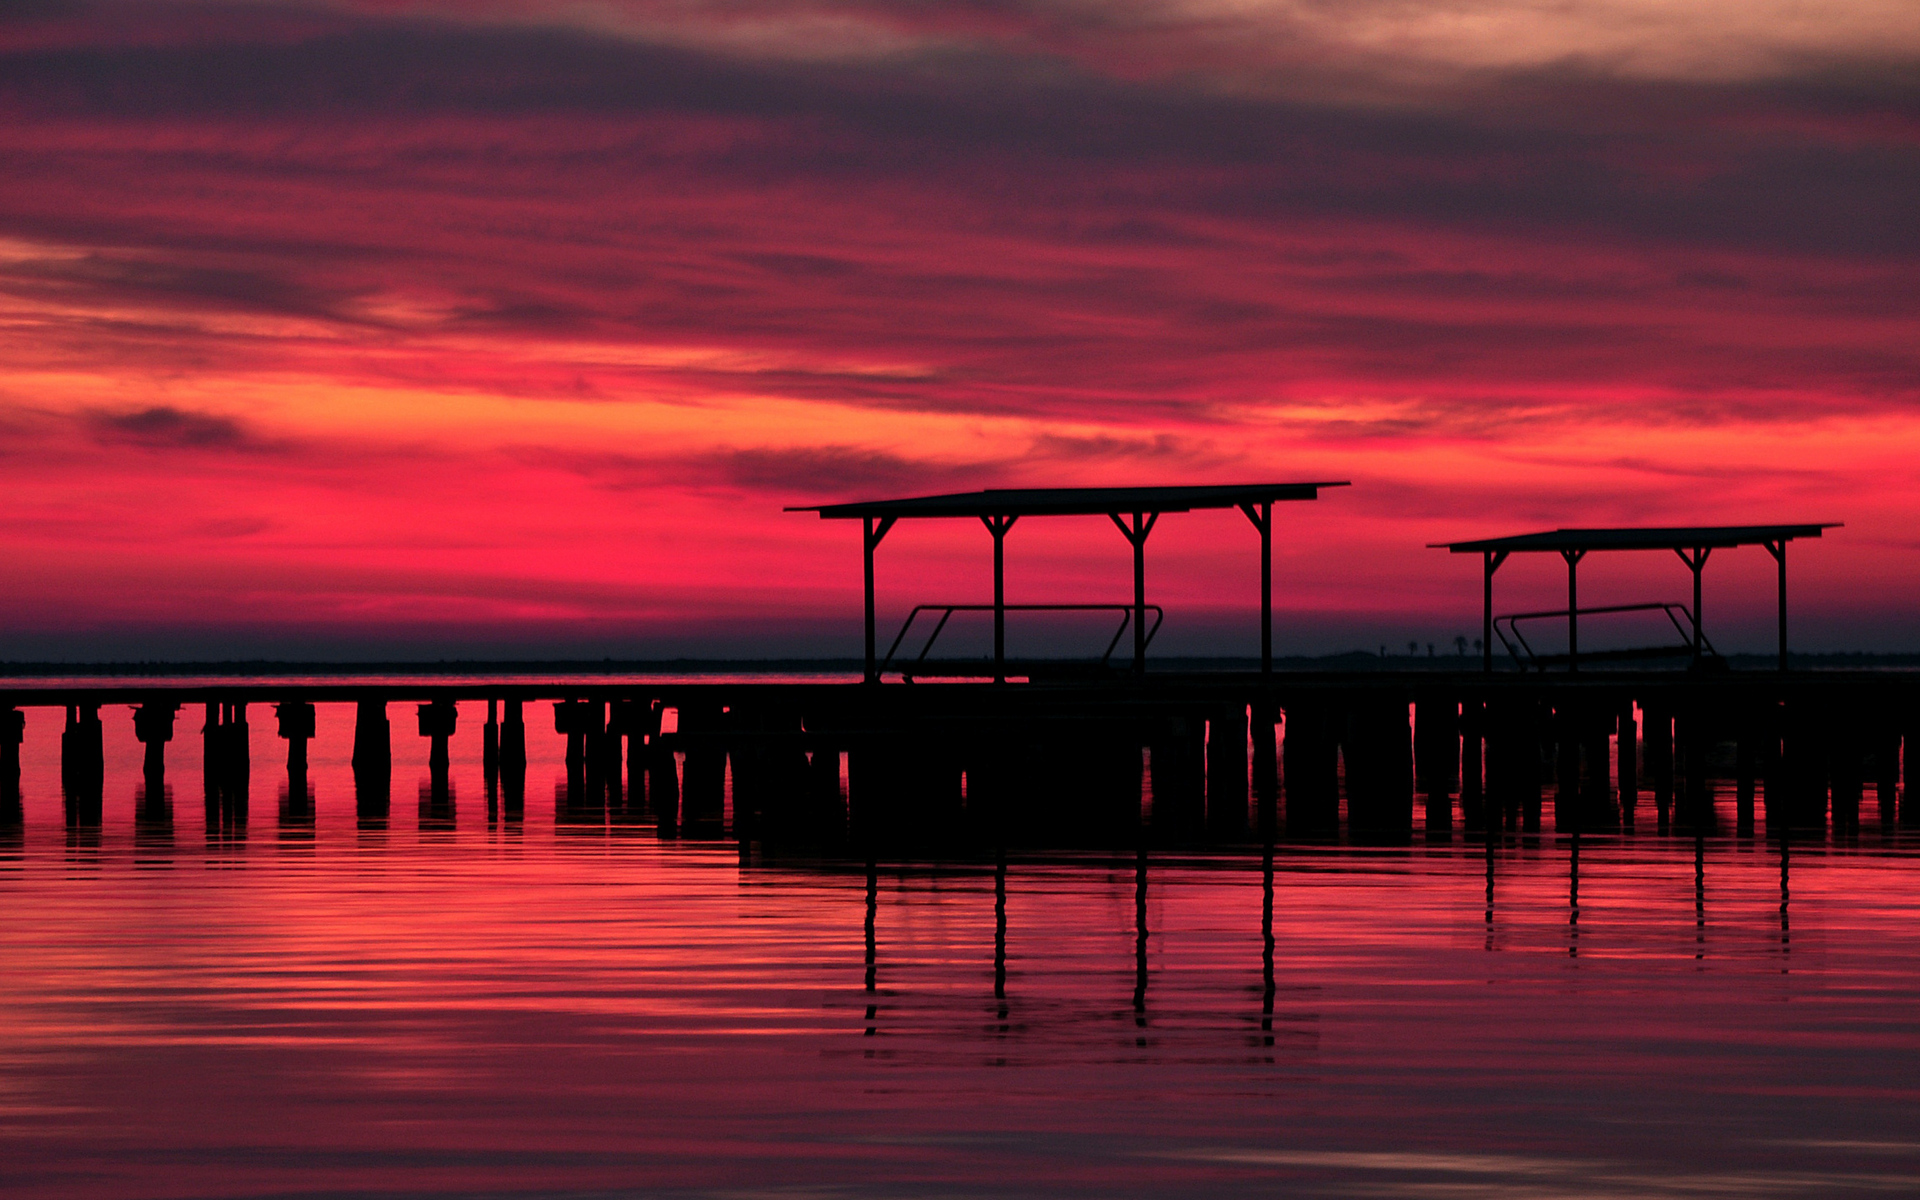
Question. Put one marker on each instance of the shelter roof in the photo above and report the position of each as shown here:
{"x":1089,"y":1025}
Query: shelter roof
{"x":1061,"y":502}
{"x":1640,"y":538}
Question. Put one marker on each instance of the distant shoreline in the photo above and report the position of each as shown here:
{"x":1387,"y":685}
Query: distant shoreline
{"x":1350,"y":661}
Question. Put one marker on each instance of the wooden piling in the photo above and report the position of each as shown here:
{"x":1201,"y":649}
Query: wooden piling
{"x":1436,"y":757}
{"x":634,"y":720}
{"x":1513,"y":762}
{"x":1693,"y":738}
{"x":1177,"y":766}
{"x":296,"y":722}
{"x":1909,"y":718}
{"x":1746,"y":769}
{"x":1773,"y":776}
{"x":83,"y":760}
{"x":1567,"y":816}
{"x":1880,"y":730}
{"x":873,"y":791}
{"x":1379,"y":763}
{"x":513,"y":740}
{"x":372,"y":739}
{"x":239,"y":744}
{"x":826,"y":807}
{"x":1657,"y":731}
{"x":153,"y":728}
{"x":1311,"y":754}
{"x":1627,"y":761}
{"x":13,"y":732}
{"x":1473,"y":806}
{"x":703,"y":788}
{"x":603,"y":744}
{"x":437,"y":720}
{"x":1227,"y":772}
{"x":1597,"y":810}
{"x":212,"y":751}
{"x":490,"y":744}
{"x":1846,"y":755}
{"x":1266,"y":768}
{"x":1115,"y":766}
{"x":663,"y":785}
{"x":1803,"y":747}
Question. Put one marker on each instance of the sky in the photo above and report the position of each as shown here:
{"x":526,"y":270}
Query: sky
{"x":500,"y":329}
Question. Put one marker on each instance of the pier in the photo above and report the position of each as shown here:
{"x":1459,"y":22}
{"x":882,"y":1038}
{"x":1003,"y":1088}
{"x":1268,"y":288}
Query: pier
{"x":1029,"y":753}
{"x":1169,"y":759}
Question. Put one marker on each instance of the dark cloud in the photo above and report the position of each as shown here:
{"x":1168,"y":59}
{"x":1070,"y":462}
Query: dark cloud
{"x":162,"y":427}
{"x":794,"y":475}
{"x":1555,"y":149}
{"x":114,"y":281}
{"x":797,"y":474}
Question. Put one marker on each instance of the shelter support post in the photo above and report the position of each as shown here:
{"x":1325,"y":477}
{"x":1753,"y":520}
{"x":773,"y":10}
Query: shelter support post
{"x":998,"y":526}
{"x":1573,"y":558}
{"x":1490,"y":562}
{"x":1262,"y":517}
{"x":875,"y":529}
{"x":1136,"y":535}
{"x":1696,"y":562}
{"x":1778,"y":548}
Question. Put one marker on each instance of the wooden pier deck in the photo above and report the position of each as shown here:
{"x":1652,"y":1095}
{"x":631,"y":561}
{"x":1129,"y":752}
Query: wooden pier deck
{"x":1117,"y":760}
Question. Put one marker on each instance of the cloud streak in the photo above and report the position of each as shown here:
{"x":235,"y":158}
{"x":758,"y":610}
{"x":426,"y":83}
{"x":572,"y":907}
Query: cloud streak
{"x":646,"y":260}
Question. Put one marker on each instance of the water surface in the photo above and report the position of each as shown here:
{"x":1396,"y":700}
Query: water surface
{"x":446,"y":1001}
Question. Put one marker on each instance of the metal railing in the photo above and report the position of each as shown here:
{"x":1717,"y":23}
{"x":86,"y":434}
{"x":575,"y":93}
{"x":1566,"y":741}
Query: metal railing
{"x":946,"y":612}
{"x":1526,"y":656}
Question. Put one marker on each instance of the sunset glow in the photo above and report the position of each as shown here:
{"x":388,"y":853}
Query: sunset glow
{"x":496,"y":329}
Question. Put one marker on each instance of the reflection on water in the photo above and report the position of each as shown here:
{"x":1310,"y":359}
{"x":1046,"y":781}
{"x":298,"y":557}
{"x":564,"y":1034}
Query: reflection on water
{"x":332,"y":994}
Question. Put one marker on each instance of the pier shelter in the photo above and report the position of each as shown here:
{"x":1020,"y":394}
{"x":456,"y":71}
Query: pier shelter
{"x":1134,"y":512}
{"x":1693,"y":543}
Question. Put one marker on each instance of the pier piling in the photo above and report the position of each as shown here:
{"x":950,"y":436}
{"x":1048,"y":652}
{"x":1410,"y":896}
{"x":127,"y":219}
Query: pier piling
{"x":1311,"y":755}
{"x":663,"y":785}
{"x":1473,"y":798}
{"x":153,"y":728}
{"x":1627,"y":761}
{"x":1178,"y":776}
{"x":490,"y":745}
{"x":1909,"y":718}
{"x":1803,"y":747}
{"x":372,"y":739}
{"x":13,"y":732}
{"x":1266,"y":767}
{"x":437,"y":720}
{"x":296,"y":721}
{"x":1436,"y":758}
{"x":1227,"y":772}
{"x":1656,"y":729}
{"x":1746,"y":769}
{"x":1379,"y":767}
{"x":703,"y":789}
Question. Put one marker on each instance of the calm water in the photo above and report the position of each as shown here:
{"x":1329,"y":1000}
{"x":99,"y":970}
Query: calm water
{"x":454,"y":1004}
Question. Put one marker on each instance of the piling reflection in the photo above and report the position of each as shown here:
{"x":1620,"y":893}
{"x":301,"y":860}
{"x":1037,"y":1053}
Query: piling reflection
{"x":873,"y":951}
{"x":1140,"y":946}
{"x":1573,"y":896}
{"x":1000,"y":942}
{"x":153,"y":823}
{"x":1267,"y":989}
{"x":1700,"y":897}
{"x":437,"y":809}
{"x":298,"y":813}
{"x":689,"y":997}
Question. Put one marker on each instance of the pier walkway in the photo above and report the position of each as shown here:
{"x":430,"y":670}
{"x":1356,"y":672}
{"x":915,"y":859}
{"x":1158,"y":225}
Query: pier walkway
{"x":1172,"y":758}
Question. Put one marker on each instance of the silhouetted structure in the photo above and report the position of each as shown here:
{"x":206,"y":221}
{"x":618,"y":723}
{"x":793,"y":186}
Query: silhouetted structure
{"x":1692,"y":543}
{"x":1134,"y":511}
{"x":1115,"y":760}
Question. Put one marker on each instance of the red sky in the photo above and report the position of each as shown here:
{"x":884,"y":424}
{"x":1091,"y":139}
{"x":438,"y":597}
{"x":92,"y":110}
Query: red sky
{"x":429,"y":329}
